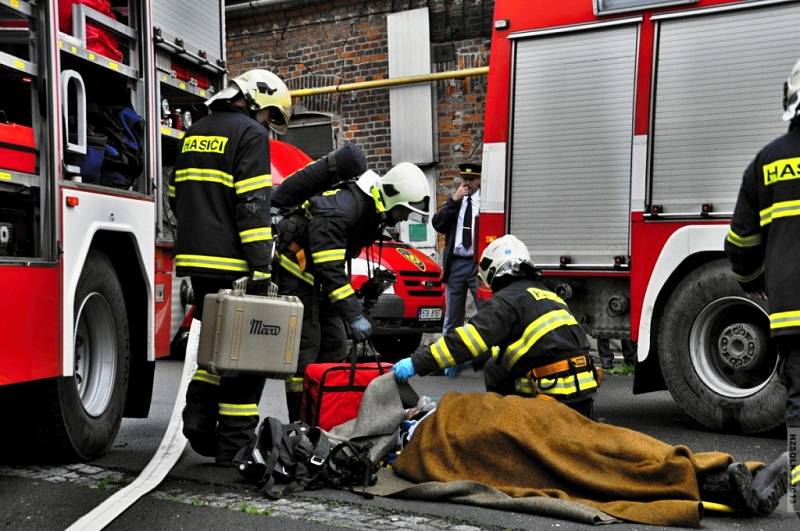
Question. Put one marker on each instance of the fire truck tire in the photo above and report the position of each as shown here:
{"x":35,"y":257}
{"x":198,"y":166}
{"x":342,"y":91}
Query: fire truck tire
{"x":91,"y":402}
{"x":396,"y":346}
{"x":715,"y":354}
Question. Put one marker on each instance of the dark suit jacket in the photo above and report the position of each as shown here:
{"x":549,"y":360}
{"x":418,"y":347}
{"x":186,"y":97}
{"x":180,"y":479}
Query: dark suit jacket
{"x":445,"y":221}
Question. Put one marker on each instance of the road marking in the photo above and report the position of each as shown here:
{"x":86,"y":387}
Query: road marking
{"x":167,"y":454}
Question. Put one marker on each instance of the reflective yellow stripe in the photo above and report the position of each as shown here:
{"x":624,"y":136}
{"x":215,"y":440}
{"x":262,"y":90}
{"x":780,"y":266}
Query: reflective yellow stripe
{"x":256,"y":235}
{"x":784,"y":319}
{"x":331,"y":255}
{"x":717,"y":507}
{"x":782,"y":209}
{"x":205,"y":376}
{"x":472,"y":339}
{"x":204,"y":175}
{"x":566,"y":384}
{"x":295,"y":270}
{"x":342,"y":293}
{"x":170,"y":191}
{"x":540,"y":294}
{"x":294,"y":384}
{"x":260,"y":275}
{"x":541,"y":326}
{"x":525,"y":385}
{"x":752,"y":276}
{"x":376,"y":197}
{"x":253,"y":183}
{"x":442,"y":354}
{"x":743,"y":241}
{"x":211,"y":262}
{"x":238,"y":410}
{"x":495,"y":351}
{"x":795,"y":477}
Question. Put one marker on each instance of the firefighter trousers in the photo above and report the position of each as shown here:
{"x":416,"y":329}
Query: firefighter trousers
{"x":221,"y":413}
{"x":323,"y":337}
{"x":789,"y":348}
{"x":498,"y":379}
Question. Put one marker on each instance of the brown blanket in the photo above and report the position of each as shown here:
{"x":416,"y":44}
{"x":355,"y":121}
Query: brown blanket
{"x":538,"y":447}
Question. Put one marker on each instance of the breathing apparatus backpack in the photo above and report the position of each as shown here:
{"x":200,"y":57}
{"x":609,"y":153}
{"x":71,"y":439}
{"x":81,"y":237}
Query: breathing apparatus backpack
{"x":300,"y":456}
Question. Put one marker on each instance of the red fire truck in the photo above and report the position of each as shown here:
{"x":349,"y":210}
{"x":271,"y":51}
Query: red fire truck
{"x":616,"y":134}
{"x":95,"y":95}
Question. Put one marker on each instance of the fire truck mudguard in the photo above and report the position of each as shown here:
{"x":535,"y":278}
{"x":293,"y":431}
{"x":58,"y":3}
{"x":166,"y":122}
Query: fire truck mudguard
{"x":715,"y":356}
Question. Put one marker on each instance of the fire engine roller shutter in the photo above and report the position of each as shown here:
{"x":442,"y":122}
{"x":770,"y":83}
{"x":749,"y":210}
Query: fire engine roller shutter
{"x":571,"y":144}
{"x":197,"y":22}
{"x":718,"y":101}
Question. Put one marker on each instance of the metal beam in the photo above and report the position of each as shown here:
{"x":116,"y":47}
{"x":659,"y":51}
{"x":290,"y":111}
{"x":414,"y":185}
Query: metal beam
{"x":380,"y":83}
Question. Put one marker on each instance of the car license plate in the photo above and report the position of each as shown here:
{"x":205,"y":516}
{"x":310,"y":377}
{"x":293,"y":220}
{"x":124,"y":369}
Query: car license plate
{"x":430,"y":314}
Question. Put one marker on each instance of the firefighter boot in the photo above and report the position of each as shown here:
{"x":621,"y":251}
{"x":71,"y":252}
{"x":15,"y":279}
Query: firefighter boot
{"x":238,"y":415}
{"x":201,"y":413}
{"x":770,"y":484}
{"x":732,"y":487}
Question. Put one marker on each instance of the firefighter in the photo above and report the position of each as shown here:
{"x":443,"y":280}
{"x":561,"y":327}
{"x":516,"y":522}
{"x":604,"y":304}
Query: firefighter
{"x":220,"y":191}
{"x":314,"y":245}
{"x":525,"y":336}
{"x":763,"y":244}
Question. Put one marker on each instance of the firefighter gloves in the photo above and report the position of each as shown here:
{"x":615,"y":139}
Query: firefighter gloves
{"x":404,"y":369}
{"x":361,"y":328}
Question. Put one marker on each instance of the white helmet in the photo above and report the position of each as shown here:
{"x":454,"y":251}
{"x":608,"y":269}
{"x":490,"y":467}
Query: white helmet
{"x":504,"y":256}
{"x":262,"y":90}
{"x":405,"y":185}
{"x":790,"y":93}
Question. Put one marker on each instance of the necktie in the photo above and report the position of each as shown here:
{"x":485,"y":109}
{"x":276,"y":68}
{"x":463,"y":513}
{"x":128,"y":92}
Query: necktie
{"x":466,"y":229}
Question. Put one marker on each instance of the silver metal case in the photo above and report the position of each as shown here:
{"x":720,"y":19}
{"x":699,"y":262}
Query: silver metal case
{"x":250,"y":334}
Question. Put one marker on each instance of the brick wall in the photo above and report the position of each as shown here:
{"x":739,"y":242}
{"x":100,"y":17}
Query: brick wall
{"x":312,"y":43}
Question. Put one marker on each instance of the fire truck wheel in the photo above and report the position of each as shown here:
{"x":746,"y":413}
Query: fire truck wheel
{"x":396,"y":347}
{"x":92,"y":401}
{"x":715,"y":353}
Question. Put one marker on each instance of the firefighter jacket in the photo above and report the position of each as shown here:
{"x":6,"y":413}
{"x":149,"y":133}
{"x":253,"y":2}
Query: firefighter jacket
{"x":331,"y":228}
{"x":762,"y":242}
{"x":525,"y":327}
{"x":221,"y":187}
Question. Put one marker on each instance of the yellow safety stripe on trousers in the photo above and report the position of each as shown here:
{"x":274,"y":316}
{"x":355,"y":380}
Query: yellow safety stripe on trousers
{"x":259,"y":234}
{"x":794,"y":478}
{"x":253,"y":183}
{"x":238,"y":410}
{"x":331,"y":255}
{"x":743,"y":241}
{"x":170,"y":190}
{"x":341,"y":293}
{"x":295,"y":270}
{"x":204,"y":376}
{"x":782,"y":209}
{"x":565,"y":385}
{"x":784,"y":319}
{"x":211,"y":262}
{"x":525,"y":386}
{"x":441,"y":354}
{"x":294,"y":384}
{"x":541,"y":326}
{"x":472,"y":339}
{"x":752,"y":276}
{"x":204,"y":175}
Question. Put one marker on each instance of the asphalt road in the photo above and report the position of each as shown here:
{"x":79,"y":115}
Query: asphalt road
{"x":199,"y":495}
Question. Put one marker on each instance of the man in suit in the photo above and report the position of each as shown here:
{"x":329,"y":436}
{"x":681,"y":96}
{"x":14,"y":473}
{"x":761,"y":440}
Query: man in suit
{"x":456,"y":220}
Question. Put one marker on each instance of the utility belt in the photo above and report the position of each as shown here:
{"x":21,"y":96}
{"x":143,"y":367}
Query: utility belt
{"x":569,"y":380}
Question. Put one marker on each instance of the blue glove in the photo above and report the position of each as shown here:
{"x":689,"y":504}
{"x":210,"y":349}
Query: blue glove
{"x":360,"y":328}
{"x":452,"y":372}
{"x":404,"y":369}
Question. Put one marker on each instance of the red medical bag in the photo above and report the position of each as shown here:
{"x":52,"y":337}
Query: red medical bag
{"x":98,"y":39}
{"x":17,"y":148}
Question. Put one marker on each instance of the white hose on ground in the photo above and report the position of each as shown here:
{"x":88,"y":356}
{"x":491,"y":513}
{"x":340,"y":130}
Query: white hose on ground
{"x":166,"y":456}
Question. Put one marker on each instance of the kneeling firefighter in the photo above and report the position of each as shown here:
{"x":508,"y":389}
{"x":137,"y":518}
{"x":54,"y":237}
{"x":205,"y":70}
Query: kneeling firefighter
{"x":525,"y":337}
{"x":220,"y":193}
{"x":315,"y":243}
